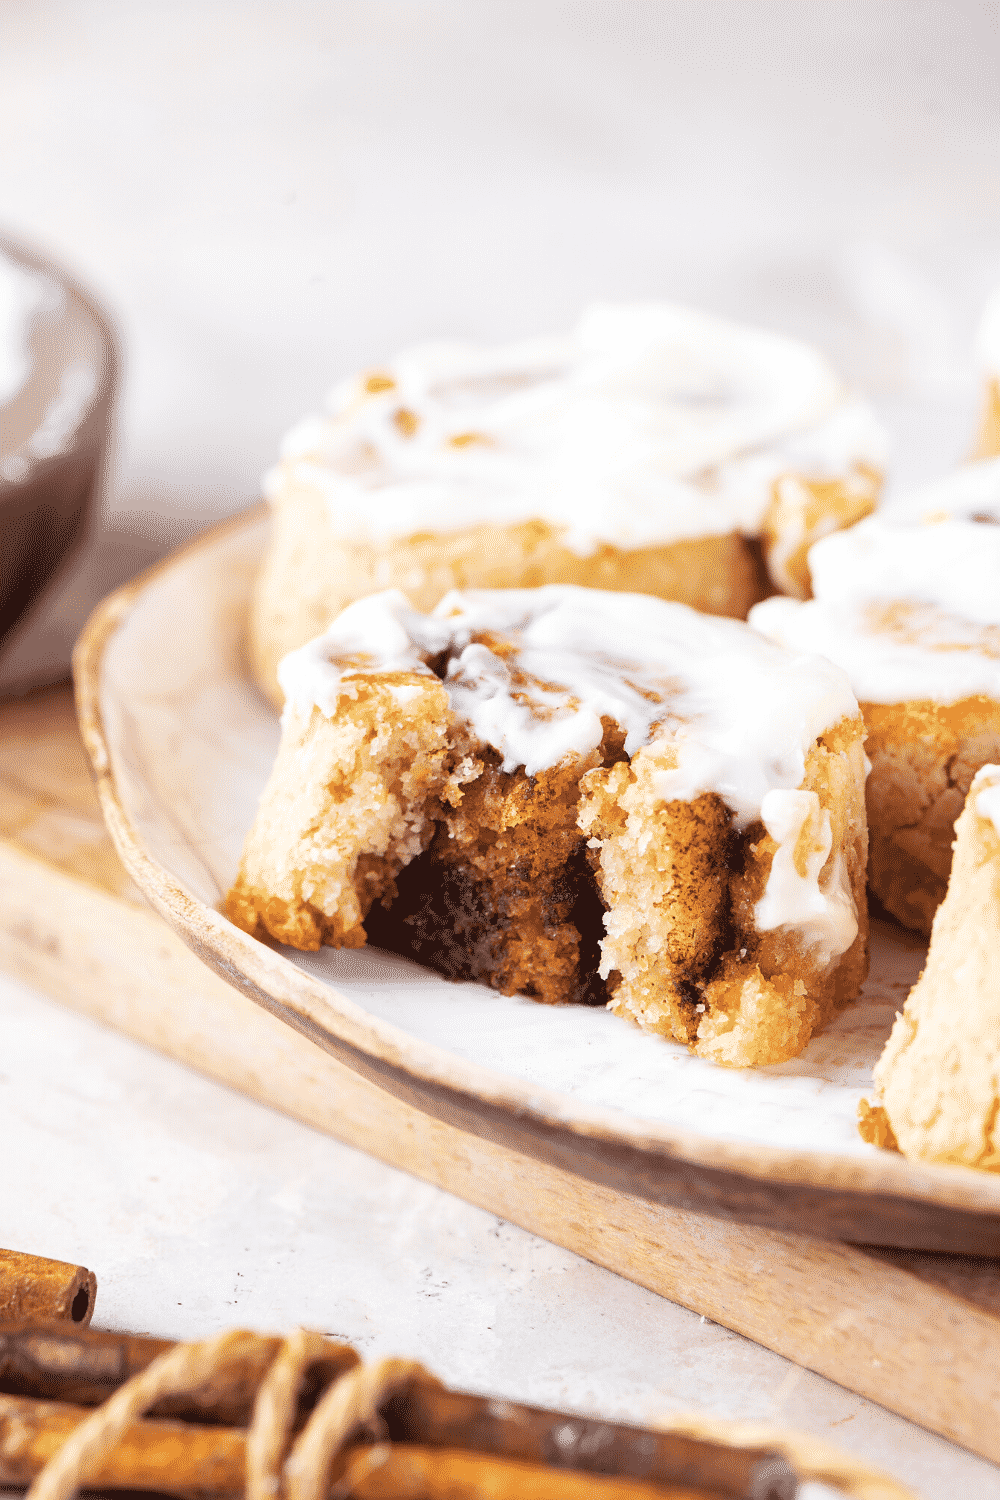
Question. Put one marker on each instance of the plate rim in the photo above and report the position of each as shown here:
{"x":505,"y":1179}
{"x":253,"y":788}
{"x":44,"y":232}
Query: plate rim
{"x":879,"y":1199}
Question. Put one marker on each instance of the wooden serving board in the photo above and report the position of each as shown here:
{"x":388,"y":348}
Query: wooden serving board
{"x":916,"y":1332}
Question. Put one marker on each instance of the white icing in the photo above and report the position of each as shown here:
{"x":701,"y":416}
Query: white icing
{"x":651,"y":423}
{"x":381,"y":632}
{"x":954,"y":565}
{"x":988,"y":342}
{"x":943,"y":660}
{"x":986,"y":790}
{"x":822,"y":909}
{"x":908,"y":602}
{"x":737,"y":714}
{"x":23,"y":295}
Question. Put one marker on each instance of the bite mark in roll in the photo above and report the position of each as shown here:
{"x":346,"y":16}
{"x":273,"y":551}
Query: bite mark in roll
{"x":575,"y":795}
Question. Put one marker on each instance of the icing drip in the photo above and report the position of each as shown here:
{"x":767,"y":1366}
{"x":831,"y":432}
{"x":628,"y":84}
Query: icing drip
{"x":908,"y":602}
{"x":534,"y":671}
{"x":649,"y":424}
{"x":796,"y":893}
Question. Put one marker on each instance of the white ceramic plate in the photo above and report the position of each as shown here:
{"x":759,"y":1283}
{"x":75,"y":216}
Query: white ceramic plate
{"x":183,"y":742}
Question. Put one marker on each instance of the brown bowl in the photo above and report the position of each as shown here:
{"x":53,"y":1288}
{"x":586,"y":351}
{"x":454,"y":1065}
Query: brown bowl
{"x":53,"y":428}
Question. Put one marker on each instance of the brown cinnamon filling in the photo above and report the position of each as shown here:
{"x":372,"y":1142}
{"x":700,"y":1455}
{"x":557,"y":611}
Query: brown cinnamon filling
{"x":505,"y":893}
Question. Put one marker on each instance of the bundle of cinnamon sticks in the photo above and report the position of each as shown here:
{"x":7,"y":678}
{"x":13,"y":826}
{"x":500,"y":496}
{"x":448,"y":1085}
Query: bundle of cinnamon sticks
{"x":426,"y":1441}
{"x":302,"y":1418}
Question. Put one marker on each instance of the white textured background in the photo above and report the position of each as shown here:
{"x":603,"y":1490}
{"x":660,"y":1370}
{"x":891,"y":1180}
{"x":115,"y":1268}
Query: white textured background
{"x":267,"y":194}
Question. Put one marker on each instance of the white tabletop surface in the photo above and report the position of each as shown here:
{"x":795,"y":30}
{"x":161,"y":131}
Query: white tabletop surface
{"x":200,"y":1210}
{"x":268,"y":193}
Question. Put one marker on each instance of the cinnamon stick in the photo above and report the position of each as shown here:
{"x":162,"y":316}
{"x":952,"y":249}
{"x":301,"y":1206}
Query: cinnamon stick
{"x":171,"y":1457}
{"x":33,"y":1288}
{"x":86,"y":1366}
{"x":407,"y":1472}
{"x":177,"y":1459}
{"x":432,"y":1416}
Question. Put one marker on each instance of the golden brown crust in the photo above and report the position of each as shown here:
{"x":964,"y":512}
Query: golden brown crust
{"x":347,"y":806}
{"x":874,"y":1127}
{"x":803,"y":510}
{"x":923,"y":756}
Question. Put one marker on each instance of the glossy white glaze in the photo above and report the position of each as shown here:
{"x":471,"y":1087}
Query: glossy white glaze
{"x":724,"y":709}
{"x":821,"y":907}
{"x":908,"y":602}
{"x":649,"y":424}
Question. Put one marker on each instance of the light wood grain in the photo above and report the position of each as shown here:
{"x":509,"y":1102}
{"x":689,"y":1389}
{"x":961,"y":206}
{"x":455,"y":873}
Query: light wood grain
{"x":918,"y":1333}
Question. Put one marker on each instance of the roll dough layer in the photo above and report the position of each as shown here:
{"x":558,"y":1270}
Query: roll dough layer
{"x":938,"y":1080}
{"x":390,"y":819}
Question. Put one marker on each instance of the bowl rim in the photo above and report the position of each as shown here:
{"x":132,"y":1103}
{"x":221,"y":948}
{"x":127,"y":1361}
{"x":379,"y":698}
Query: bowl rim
{"x":34,"y":259}
{"x":878,"y":1199}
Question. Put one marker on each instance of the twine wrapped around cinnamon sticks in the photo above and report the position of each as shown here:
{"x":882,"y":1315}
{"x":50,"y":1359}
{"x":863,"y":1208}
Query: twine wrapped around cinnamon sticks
{"x":408,"y":1436}
{"x":33,"y":1288}
{"x":212,"y":1461}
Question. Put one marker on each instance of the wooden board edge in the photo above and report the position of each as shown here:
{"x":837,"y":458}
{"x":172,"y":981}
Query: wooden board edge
{"x":857,"y":1318}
